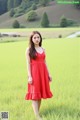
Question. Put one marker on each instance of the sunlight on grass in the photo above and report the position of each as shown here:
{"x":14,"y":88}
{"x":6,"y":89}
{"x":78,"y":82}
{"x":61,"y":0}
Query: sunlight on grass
{"x":63,"y":59}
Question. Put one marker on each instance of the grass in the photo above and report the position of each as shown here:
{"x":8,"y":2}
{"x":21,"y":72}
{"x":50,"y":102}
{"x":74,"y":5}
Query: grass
{"x":63,"y":59}
{"x":12,"y":39}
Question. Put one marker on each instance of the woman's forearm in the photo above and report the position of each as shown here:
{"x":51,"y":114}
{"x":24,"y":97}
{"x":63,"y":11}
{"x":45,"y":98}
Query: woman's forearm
{"x":29,"y":70}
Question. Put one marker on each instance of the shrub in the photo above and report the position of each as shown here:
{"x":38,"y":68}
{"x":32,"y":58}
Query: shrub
{"x":20,"y":10}
{"x":44,"y":2}
{"x":34,"y":7}
{"x":78,"y":4}
{"x":31,"y":16}
{"x":18,"y":14}
{"x":12,"y":12}
{"x":78,"y":35}
{"x":16,"y":24}
{"x":60,"y":36}
{"x":63,"y":22}
{"x":70,"y":22}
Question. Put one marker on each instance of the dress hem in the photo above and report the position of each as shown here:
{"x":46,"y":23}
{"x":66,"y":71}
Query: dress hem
{"x":28,"y":97}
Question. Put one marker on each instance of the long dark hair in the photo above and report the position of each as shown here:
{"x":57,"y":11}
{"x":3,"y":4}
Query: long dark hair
{"x":32,"y":51}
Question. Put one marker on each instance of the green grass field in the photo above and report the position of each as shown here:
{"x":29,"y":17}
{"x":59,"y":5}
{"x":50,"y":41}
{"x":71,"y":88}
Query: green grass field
{"x":63,"y":59}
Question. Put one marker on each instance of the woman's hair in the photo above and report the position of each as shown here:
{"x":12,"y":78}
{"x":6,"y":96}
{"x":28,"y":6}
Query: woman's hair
{"x":32,"y":51}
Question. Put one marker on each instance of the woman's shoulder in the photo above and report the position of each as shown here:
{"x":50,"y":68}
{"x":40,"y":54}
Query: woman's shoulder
{"x":43,"y":49}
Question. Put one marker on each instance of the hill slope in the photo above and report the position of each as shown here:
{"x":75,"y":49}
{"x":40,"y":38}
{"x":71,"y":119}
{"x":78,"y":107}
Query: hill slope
{"x":54,"y":11}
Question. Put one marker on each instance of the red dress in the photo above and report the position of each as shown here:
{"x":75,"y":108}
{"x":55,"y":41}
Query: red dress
{"x":40,"y":87}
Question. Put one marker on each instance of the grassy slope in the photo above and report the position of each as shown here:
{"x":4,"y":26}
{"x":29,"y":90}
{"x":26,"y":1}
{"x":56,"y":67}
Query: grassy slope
{"x":63,"y":59}
{"x":54,"y":11}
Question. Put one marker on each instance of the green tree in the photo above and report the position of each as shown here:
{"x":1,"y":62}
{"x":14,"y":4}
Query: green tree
{"x":63,"y":22}
{"x":31,"y":16}
{"x":34,"y":7}
{"x":25,"y":4}
{"x":3,"y":6}
{"x":78,"y":4}
{"x":12,"y":12}
{"x":16,"y":24}
{"x":13,"y":3}
{"x":10,"y":4}
{"x":43,"y":2}
{"x":36,"y":1}
{"x":45,"y":20}
{"x":17,"y":2}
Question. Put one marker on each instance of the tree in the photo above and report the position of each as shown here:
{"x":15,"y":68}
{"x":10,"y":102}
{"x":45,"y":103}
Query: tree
{"x":63,"y":22}
{"x":17,"y":2}
{"x":36,"y":1}
{"x":13,"y":3}
{"x":12,"y":12}
{"x":25,"y":4}
{"x":45,"y":21}
{"x":31,"y":16}
{"x":77,"y":4}
{"x":10,"y":4}
{"x":43,"y":2}
{"x":34,"y":7}
{"x":16,"y":24}
{"x":3,"y":6}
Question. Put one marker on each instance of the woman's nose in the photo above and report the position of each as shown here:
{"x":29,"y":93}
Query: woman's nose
{"x":37,"y":39}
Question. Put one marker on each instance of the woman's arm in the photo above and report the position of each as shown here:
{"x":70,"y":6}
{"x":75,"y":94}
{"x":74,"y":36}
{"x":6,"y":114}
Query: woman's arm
{"x":49,"y":76}
{"x":28,"y":66}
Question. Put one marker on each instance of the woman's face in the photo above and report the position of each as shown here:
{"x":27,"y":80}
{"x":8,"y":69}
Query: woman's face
{"x":36,"y":39}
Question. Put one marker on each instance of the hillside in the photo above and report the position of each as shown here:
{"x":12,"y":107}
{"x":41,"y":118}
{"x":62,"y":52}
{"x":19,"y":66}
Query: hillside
{"x":54,"y":11}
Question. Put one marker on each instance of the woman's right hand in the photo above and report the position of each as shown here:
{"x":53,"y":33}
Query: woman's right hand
{"x":50,"y":78}
{"x":30,"y":80}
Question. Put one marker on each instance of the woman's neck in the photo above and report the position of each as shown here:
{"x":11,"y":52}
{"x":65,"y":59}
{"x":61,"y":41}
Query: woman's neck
{"x":36,"y":46}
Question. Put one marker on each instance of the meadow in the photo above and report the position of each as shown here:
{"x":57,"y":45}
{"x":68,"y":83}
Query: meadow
{"x":63,"y":60}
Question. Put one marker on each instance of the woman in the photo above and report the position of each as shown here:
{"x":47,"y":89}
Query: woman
{"x":38,"y":74}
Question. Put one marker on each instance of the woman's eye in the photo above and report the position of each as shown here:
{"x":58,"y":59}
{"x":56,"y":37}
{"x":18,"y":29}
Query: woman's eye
{"x":34,"y":37}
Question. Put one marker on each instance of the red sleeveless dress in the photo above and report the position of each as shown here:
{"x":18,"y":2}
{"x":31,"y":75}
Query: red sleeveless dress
{"x":40,"y":87}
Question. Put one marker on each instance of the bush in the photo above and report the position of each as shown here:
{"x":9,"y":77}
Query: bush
{"x":16,"y":24}
{"x":12,"y":12}
{"x":20,"y":10}
{"x":63,"y":22}
{"x":78,"y":35}
{"x":78,"y":4}
{"x":70,"y":22}
{"x":25,"y":4}
{"x":60,"y":36}
{"x":44,"y":2}
{"x":31,"y":16}
{"x":18,"y":14}
{"x":34,"y":7}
